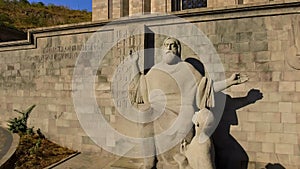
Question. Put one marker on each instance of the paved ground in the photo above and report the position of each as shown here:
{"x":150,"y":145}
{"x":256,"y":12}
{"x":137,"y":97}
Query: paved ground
{"x":87,"y":161}
{"x":94,"y":161}
{"x":5,"y":141}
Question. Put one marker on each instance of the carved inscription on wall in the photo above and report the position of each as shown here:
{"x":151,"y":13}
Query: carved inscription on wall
{"x":58,"y":53}
{"x":124,"y":71}
{"x":48,"y":61}
{"x":293,"y":56}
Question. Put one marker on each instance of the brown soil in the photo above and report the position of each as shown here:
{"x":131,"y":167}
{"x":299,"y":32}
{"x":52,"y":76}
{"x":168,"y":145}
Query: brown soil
{"x":35,"y":153}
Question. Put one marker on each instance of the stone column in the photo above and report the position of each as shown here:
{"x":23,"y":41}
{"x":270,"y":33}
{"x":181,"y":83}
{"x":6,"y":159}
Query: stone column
{"x":100,"y":10}
{"x":135,"y":7}
{"x":161,"y":6}
{"x":254,"y":1}
{"x":116,"y":7}
{"x":221,"y":3}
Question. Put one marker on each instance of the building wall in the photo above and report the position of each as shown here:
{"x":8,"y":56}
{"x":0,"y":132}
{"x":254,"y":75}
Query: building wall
{"x":268,"y":129}
{"x":101,"y":8}
{"x":261,"y":44}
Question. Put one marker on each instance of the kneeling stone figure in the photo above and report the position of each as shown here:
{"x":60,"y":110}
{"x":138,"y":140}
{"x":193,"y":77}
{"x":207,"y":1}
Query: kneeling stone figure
{"x":199,"y":154}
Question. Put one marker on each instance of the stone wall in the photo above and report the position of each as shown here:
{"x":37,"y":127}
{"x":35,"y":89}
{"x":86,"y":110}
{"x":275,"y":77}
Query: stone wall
{"x":260,"y":47}
{"x":101,"y":8}
{"x":259,"y":42}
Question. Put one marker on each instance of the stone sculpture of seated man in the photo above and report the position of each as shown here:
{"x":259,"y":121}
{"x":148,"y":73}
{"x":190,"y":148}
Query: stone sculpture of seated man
{"x":184,"y":90}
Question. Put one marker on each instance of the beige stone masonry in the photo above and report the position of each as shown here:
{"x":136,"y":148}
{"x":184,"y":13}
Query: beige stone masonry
{"x":249,"y":38}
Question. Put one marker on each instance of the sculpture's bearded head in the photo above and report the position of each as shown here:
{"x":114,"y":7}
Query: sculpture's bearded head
{"x":172,"y":51}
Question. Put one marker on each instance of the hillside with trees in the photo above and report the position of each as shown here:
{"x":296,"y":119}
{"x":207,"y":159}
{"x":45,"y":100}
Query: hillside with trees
{"x":23,"y":15}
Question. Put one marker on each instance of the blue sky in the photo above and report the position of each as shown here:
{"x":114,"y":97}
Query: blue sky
{"x":72,"y":4}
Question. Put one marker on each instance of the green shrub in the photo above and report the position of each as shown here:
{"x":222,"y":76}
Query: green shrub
{"x":19,"y":124}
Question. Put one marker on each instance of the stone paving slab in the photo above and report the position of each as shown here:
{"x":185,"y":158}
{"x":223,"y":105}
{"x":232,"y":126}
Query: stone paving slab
{"x":6,"y":139}
{"x":127,"y":163}
{"x":88,"y":161}
{"x":8,"y":145}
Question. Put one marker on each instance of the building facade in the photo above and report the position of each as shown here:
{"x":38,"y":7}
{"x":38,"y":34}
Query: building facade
{"x":113,"y":9}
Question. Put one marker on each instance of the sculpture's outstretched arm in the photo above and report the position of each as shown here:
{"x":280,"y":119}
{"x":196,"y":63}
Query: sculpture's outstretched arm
{"x":235,"y":79}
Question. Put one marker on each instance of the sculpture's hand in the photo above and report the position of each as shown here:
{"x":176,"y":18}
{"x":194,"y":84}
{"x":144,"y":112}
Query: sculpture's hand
{"x":238,"y":78}
{"x":183,"y":146}
{"x":140,"y":100}
{"x":254,"y":95}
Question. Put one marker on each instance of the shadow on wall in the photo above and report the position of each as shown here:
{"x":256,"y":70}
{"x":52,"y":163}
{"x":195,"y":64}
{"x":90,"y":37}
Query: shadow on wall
{"x":274,"y":166}
{"x":229,"y":153}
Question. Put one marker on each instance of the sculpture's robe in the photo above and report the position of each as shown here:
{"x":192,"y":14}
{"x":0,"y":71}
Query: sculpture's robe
{"x":174,"y":93}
